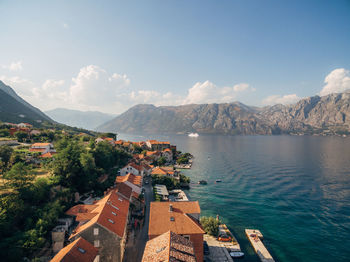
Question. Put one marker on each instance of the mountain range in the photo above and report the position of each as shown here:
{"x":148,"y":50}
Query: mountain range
{"x":15,"y":109}
{"x":313,"y":115}
{"x":83,"y":119}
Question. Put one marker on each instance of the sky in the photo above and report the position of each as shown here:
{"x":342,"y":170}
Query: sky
{"x":110,"y":55}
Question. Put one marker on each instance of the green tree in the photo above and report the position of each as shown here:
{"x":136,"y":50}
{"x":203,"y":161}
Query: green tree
{"x":105,"y":155}
{"x":210,"y":225}
{"x":4,"y":132}
{"x":161,"y":161}
{"x":21,"y":136}
{"x":5,"y":155}
{"x":19,"y":178}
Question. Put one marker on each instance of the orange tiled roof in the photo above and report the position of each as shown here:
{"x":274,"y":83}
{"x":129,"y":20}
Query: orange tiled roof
{"x":164,"y":170}
{"x":152,"y":142}
{"x":134,"y":179}
{"x":74,"y":211}
{"x":139,"y":168}
{"x":37,"y":149}
{"x":169,"y":247}
{"x":78,"y":250}
{"x":108,"y":139}
{"x":167,"y":150}
{"x":160,"y":218}
{"x":48,"y":154}
{"x":112,"y":213}
{"x":119,"y":142}
{"x":124,"y":190}
{"x":40,"y":144}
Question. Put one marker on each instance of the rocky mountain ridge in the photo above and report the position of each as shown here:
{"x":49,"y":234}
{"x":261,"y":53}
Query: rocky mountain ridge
{"x":313,"y":115}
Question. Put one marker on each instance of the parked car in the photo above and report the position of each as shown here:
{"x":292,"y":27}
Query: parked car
{"x":206,"y":248}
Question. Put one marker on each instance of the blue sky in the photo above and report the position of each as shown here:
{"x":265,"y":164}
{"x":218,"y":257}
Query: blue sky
{"x":110,"y":55}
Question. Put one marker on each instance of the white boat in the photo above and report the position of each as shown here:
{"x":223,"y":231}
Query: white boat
{"x":193,"y":135}
{"x":236,"y":254}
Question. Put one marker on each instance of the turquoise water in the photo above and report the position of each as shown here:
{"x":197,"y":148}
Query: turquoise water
{"x":296,"y":190}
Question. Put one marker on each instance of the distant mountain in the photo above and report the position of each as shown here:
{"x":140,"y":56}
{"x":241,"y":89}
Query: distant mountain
{"x":325,"y":115}
{"x":88,"y":119}
{"x":14,"y":109}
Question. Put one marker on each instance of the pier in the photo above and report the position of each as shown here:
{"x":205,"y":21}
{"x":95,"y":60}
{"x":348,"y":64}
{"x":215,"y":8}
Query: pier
{"x":255,"y":238}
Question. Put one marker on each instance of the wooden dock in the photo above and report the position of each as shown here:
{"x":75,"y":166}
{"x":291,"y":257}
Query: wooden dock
{"x":232,"y":245}
{"x":255,"y":238}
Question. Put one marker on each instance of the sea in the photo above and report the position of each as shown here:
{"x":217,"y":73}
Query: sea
{"x":294,"y":189}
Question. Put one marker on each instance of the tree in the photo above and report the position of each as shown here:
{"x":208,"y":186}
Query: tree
{"x":4,"y":132}
{"x":21,"y":136}
{"x":105,"y":155}
{"x":19,"y":177}
{"x":210,"y":225}
{"x":5,"y":155}
{"x":162,"y":161}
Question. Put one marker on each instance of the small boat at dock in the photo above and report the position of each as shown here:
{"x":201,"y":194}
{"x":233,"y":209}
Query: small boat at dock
{"x":202,"y":182}
{"x":236,"y":254}
{"x":228,"y":240}
{"x":193,"y":135}
{"x":218,"y":180}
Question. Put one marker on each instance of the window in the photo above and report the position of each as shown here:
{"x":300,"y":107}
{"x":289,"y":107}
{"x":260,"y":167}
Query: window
{"x":81,"y":250}
{"x":95,"y":231}
{"x":113,"y":213}
{"x":120,"y":199}
{"x":187,"y":237}
{"x":111,"y":221}
{"x":96,"y":243}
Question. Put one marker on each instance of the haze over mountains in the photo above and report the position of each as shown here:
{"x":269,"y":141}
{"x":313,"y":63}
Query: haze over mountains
{"x":327,"y":115}
{"x":83,"y":119}
{"x":15,"y":109}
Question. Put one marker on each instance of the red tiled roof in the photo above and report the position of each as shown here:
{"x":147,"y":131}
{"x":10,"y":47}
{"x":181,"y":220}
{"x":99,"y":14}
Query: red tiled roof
{"x":134,"y":179}
{"x":40,"y":144}
{"x":112,"y":213}
{"x":78,"y":250}
{"x":160,"y":218}
{"x":37,"y":149}
{"x":124,"y":190}
{"x":169,"y":247}
{"x":137,"y":167}
{"x":48,"y":154}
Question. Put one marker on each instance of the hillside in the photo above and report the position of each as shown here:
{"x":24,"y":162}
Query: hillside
{"x":328,"y":114}
{"x":14,"y":109}
{"x":88,"y":119}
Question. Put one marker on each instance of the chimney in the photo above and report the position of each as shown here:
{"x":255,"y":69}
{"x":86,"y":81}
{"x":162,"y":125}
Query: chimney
{"x":170,"y":208}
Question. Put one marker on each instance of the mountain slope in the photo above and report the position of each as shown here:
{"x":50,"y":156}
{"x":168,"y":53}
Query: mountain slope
{"x":88,"y":120}
{"x":310,"y":115}
{"x":37,"y":113}
{"x":11,"y":110}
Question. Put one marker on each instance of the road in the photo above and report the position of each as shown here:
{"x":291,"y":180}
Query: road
{"x":137,"y":240}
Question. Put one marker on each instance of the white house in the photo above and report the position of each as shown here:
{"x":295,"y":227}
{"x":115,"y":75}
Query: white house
{"x":168,"y":154}
{"x":43,"y":148}
{"x":132,"y":168}
{"x":133,"y":181}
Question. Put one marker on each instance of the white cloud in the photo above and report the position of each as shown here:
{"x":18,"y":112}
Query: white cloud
{"x":154,"y":97}
{"x":14,"y":66}
{"x":208,"y":92}
{"x":94,"y":87}
{"x":22,"y":85}
{"x":336,"y":81}
{"x":278,"y":99}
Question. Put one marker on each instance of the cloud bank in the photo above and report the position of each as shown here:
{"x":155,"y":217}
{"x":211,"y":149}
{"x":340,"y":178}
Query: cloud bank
{"x":336,"y":81}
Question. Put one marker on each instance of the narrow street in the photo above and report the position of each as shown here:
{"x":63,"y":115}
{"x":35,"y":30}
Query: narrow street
{"x":137,"y":239}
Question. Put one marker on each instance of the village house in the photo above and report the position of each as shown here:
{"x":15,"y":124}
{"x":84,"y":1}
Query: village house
{"x":133,"y":181}
{"x":43,"y":148}
{"x":132,"y":168}
{"x":166,"y":171}
{"x":104,"y":223}
{"x":24,"y":125}
{"x":168,"y":154}
{"x":169,"y":247}
{"x":107,"y":139}
{"x":78,"y":250}
{"x":181,"y":218}
{"x":157,"y":145}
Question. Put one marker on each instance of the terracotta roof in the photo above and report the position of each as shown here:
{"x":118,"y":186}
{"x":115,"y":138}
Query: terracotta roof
{"x":167,"y":150}
{"x":158,"y":142}
{"x":37,"y":149}
{"x":74,"y":211}
{"x":112,"y":213}
{"x":78,"y":250}
{"x":134,"y":179}
{"x":152,"y":153}
{"x":108,"y":139}
{"x":162,"y":219}
{"x":119,"y":142}
{"x":163,"y":170}
{"x":124,"y":190}
{"x":40,"y":144}
{"x":169,"y":247}
{"x":48,"y":154}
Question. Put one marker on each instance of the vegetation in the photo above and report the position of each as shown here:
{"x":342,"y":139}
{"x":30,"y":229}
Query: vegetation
{"x":183,"y":158}
{"x":34,"y":194}
{"x":170,"y":182}
{"x":210,"y":225}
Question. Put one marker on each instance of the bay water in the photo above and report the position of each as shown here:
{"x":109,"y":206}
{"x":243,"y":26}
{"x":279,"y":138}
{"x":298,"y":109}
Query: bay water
{"x":294,"y":189}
